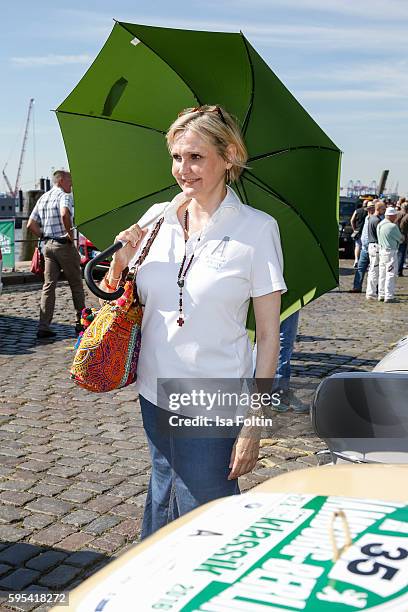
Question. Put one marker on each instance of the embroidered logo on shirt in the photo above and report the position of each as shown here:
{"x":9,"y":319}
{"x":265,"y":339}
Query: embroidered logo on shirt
{"x":216,"y":258}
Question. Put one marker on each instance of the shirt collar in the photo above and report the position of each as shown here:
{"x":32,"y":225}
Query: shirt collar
{"x":57,"y":188}
{"x":230,"y":201}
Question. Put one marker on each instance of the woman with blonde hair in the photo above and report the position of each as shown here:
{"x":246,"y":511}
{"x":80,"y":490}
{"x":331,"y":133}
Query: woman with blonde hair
{"x":211,"y":255}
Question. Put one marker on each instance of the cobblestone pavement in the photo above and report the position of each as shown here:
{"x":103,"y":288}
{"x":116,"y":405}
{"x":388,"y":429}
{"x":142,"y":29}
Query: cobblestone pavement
{"x":74,"y":465}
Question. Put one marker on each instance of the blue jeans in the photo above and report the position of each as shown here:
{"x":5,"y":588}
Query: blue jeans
{"x":186,"y":472}
{"x":402,"y":251}
{"x":362,"y":267}
{"x":288,"y":331}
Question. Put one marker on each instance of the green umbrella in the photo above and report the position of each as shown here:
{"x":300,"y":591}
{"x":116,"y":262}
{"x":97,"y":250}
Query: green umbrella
{"x":114,"y":124}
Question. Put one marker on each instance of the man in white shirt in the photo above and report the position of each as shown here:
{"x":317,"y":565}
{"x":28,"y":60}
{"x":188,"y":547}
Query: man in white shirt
{"x":51,"y":220}
{"x":389,"y":239}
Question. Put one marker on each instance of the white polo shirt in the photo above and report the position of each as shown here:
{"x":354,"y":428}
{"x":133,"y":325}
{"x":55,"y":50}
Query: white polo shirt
{"x":239,"y":256}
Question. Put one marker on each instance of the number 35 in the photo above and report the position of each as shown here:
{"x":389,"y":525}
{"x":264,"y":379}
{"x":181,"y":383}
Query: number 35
{"x":374,"y":550}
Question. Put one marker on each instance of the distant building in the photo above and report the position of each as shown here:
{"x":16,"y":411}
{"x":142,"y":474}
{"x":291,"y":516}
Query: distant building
{"x":7,"y":206}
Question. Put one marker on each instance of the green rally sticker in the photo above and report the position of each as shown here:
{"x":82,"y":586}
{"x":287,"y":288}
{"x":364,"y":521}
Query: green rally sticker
{"x":273,"y":553}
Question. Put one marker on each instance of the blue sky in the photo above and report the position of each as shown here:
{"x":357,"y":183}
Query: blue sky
{"x":346,"y":61}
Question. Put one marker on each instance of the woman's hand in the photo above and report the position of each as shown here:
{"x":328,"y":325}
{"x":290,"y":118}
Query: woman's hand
{"x":246,"y":448}
{"x":244,"y":454}
{"x":133,"y":236}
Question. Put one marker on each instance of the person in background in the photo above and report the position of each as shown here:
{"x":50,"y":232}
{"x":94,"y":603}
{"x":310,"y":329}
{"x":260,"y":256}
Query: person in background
{"x":374,"y":250}
{"x":389,"y":239}
{"x":364,"y":259}
{"x":402,"y":222}
{"x":287,"y":396}
{"x":51,"y":221}
{"x":281,"y":386}
{"x":357,"y":222}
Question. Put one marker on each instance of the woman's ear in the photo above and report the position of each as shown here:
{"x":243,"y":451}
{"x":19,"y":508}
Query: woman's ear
{"x":231,"y":154}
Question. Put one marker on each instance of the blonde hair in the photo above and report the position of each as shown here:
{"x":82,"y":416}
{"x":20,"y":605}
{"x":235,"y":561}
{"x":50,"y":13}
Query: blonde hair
{"x":218,"y":128}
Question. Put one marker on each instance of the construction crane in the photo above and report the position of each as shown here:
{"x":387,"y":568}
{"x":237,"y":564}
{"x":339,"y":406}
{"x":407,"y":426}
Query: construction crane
{"x":9,"y":187}
{"x":14,"y":192}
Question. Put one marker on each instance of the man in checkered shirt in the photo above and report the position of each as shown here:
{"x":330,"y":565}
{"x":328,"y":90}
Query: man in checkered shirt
{"x":51,"y":220}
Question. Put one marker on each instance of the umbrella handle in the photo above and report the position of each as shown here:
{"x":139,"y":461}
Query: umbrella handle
{"x":90,"y":266}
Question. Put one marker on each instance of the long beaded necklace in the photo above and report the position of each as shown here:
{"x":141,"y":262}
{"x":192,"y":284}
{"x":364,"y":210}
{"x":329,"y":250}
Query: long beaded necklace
{"x":182,"y":273}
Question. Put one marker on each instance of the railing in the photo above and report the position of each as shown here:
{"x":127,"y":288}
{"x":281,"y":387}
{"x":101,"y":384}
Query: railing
{"x":18,"y":247}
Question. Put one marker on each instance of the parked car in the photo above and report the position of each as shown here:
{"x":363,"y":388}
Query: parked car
{"x":362,"y":416}
{"x":396,"y":360}
{"x":1,"y":270}
{"x":346,"y":208}
{"x":88,"y":251}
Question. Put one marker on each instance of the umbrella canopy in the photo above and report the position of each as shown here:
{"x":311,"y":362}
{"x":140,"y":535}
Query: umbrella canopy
{"x":114,"y":124}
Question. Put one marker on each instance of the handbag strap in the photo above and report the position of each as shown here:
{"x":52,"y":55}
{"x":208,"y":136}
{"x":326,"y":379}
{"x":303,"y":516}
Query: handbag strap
{"x":145,"y":251}
{"x":130,"y":275}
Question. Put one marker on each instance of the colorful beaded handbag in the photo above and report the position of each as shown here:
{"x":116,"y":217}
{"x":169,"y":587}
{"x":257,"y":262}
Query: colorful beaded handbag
{"x":107,"y":356}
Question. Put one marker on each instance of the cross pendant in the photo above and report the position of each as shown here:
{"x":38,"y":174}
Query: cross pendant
{"x":180,"y":321}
